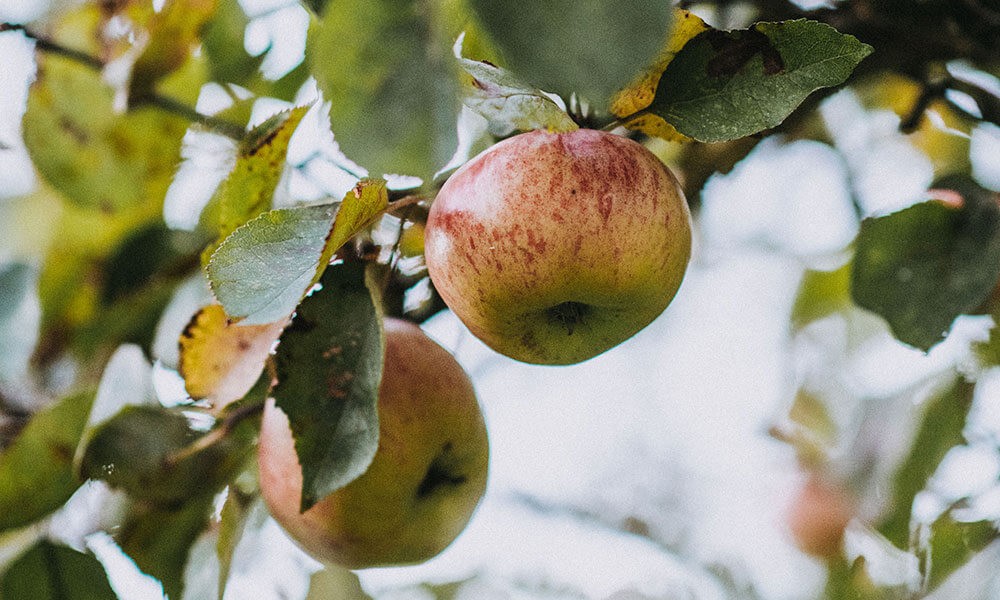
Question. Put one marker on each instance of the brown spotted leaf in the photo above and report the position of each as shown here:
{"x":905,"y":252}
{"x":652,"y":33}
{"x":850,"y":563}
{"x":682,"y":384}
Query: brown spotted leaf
{"x":329,"y":366}
{"x":220,"y":360}
{"x":249,"y":189}
{"x":724,"y":85}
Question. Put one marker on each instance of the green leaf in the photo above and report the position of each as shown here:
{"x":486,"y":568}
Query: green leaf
{"x":988,"y":351}
{"x":263,"y":287}
{"x":386,"y":70}
{"x":51,"y":572}
{"x":591,"y":47}
{"x":727,"y":85}
{"x":239,"y":512}
{"x":93,"y":155}
{"x":821,"y":293}
{"x":921,"y":267}
{"x":505,"y":102}
{"x":329,"y":366}
{"x":249,"y":189}
{"x":154,"y":454}
{"x":36,"y":471}
{"x":954,"y":542}
{"x":159,"y":540}
{"x":222,"y":40}
{"x":940,"y":430}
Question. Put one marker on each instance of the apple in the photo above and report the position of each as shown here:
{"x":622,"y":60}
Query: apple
{"x":818,"y":516}
{"x":425,"y":480}
{"x":555,"y":247}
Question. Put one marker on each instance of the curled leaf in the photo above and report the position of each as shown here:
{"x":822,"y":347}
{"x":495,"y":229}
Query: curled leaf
{"x":507,"y":103}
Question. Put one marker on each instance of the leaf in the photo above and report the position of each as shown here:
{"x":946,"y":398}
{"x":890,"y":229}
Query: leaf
{"x":727,"y":85}
{"x":505,"y":102}
{"x":940,"y":429}
{"x":127,"y":380}
{"x":329,"y":366}
{"x":640,"y":92}
{"x":159,"y":540}
{"x":222,"y":39}
{"x":157,"y":454}
{"x":921,"y":267}
{"x":385,"y":69}
{"x":36,"y":470}
{"x":590,"y":47}
{"x":988,"y":351}
{"x":239,"y":512}
{"x":154,"y":454}
{"x":94,"y":156}
{"x":220,"y":360}
{"x":954,"y":542}
{"x":263,"y":287}
{"x":173,"y":35}
{"x":51,"y":572}
{"x":249,"y":189}
{"x":821,"y":293}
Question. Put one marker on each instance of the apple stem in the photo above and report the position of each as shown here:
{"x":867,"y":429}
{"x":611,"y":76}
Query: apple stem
{"x":217,"y":434}
{"x":621,"y":121}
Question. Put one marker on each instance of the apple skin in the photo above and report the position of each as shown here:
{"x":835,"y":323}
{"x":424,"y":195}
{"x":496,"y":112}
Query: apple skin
{"x":818,"y":516}
{"x":555,"y":247}
{"x":425,"y":480}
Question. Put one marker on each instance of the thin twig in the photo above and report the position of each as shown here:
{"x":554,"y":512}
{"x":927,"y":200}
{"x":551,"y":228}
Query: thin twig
{"x":218,"y":433}
{"x":404,"y":202}
{"x":227,"y":128}
{"x":930,"y":90}
{"x":164,"y":103}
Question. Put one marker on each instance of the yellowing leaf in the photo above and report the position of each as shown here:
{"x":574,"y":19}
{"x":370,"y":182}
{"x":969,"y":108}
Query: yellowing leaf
{"x":220,"y":360}
{"x":250,"y":187}
{"x":639,"y":94}
{"x":360,"y":207}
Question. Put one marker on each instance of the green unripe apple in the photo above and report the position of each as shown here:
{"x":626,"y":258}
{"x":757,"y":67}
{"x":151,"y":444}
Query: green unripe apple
{"x":425,"y":480}
{"x":555,"y":247}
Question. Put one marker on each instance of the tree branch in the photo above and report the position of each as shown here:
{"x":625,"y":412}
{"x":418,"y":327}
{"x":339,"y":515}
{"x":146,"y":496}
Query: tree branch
{"x":227,"y":128}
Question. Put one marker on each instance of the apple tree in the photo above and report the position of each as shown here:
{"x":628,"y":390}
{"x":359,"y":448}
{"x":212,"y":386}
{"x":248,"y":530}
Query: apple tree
{"x":220,"y":235}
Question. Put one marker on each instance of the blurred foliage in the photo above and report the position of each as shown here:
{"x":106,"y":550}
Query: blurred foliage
{"x":52,"y":572}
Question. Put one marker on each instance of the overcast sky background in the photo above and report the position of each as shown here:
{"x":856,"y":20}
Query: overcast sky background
{"x":670,"y":427}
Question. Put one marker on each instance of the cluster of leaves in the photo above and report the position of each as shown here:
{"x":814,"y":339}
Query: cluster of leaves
{"x":396,"y":77}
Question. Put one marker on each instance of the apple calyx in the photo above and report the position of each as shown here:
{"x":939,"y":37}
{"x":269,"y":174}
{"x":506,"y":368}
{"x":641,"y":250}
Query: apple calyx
{"x":442,"y":473}
{"x":569,"y":314}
